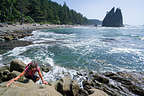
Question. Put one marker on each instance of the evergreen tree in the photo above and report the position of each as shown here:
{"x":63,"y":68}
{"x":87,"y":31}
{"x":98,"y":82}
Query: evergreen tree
{"x":38,"y":11}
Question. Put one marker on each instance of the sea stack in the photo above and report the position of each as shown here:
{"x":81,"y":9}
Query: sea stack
{"x":113,"y":18}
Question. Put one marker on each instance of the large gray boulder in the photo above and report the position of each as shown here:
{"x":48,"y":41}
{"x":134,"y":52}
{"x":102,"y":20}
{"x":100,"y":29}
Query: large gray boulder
{"x":5,"y":75}
{"x":98,"y":92}
{"x":113,"y":18}
{"x":17,"y":65}
{"x":68,"y":87}
{"x":27,"y":89}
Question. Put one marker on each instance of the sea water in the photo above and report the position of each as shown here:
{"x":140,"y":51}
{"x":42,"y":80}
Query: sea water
{"x":69,"y":50}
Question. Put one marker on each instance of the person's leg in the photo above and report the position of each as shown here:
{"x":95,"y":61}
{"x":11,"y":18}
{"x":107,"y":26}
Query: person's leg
{"x":34,"y":77}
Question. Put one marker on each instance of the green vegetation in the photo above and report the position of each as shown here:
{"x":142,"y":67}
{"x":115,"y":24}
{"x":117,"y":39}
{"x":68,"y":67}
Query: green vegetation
{"x":45,"y":11}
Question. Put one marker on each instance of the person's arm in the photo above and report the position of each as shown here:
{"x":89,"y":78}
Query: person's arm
{"x":16,"y":78}
{"x":43,"y":81}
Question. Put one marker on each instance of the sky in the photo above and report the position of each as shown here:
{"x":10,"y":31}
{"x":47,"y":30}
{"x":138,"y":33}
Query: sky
{"x":132,"y":10}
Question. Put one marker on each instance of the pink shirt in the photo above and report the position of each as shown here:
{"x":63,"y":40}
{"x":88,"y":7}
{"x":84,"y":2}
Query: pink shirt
{"x":30,"y":72}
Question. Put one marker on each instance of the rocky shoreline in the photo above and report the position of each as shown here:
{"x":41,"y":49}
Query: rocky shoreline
{"x":95,"y":84}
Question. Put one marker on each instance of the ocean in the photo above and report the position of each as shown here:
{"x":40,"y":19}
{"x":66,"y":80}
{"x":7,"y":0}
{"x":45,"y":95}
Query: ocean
{"x":70,"y":50}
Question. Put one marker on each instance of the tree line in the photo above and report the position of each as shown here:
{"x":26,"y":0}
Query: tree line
{"x":40,"y":11}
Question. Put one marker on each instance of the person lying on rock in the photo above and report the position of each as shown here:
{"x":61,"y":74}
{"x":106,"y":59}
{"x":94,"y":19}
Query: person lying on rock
{"x":29,"y":73}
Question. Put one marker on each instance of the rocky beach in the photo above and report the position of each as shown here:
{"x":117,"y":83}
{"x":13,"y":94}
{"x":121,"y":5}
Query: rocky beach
{"x":92,"y":83}
{"x":95,"y":84}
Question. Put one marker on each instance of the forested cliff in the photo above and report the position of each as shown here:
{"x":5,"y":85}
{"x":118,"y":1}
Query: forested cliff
{"x":45,"y":11}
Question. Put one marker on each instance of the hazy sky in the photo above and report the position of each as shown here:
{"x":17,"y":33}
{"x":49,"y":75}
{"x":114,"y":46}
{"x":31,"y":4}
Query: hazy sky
{"x":132,"y":10}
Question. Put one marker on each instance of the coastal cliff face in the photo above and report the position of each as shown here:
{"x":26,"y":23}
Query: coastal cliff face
{"x":113,"y":18}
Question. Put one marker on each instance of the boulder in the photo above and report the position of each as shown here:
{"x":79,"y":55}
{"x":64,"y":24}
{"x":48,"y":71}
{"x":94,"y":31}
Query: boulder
{"x":100,"y":84}
{"x":67,"y":83}
{"x":75,"y":88}
{"x":8,"y":38}
{"x":101,"y":78}
{"x":59,"y":86}
{"x":6,"y":76}
{"x":4,"y":68}
{"x":98,"y":92}
{"x":67,"y":87}
{"x":87,"y":85}
{"x":2,"y":25}
{"x":27,"y":89}
{"x":17,"y":65}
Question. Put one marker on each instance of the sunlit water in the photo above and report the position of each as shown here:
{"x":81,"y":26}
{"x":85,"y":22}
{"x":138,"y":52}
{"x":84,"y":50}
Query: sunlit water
{"x":84,"y":48}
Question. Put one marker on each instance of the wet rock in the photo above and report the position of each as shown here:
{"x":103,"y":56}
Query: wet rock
{"x":67,"y":87}
{"x":108,"y":74}
{"x":98,"y":93}
{"x":67,"y":83}
{"x":8,"y":38}
{"x":128,"y":83}
{"x":6,"y":76}
{"x":59,"y":86}
{"x":119,"y":78}
{"x":4,"y":68}
{"x":76,"y":89}
{"x":110,"y":91}
{"x":2,"y":25}
{"x":15,"y":35}
{"x":17,"y":65}
{"x":87,"y":85}
{"x":134,"y":80}
{"x":122,"y":80}
{"x":101,"y":78}
{"x":90,"y":86}
{"x":79,"y":74}
{"x":135,"y":89}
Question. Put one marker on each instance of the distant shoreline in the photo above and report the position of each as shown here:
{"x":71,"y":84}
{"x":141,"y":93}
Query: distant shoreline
{"x":26,"y":27}
{"x":15,"y":30}
{"x":12,"y":34}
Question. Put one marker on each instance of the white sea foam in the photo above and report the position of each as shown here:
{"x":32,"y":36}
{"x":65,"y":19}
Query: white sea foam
{"x":18,"y":50}
{"x":49,"y":61}
{"x":85,"y":45}
{"x":125,"y":50}
{"x":114,"y":68}
{"x":40,"y":36}
{"x":0,"y":57}
{"x":50,"y":34}
{"x":0,"y":60}
{"x":142,"y":38}
{"x":44,"y":40}
{"x":58,"y":72}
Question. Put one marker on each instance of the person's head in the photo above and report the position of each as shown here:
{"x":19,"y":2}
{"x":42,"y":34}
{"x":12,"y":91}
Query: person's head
{"x":33,"y":65}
